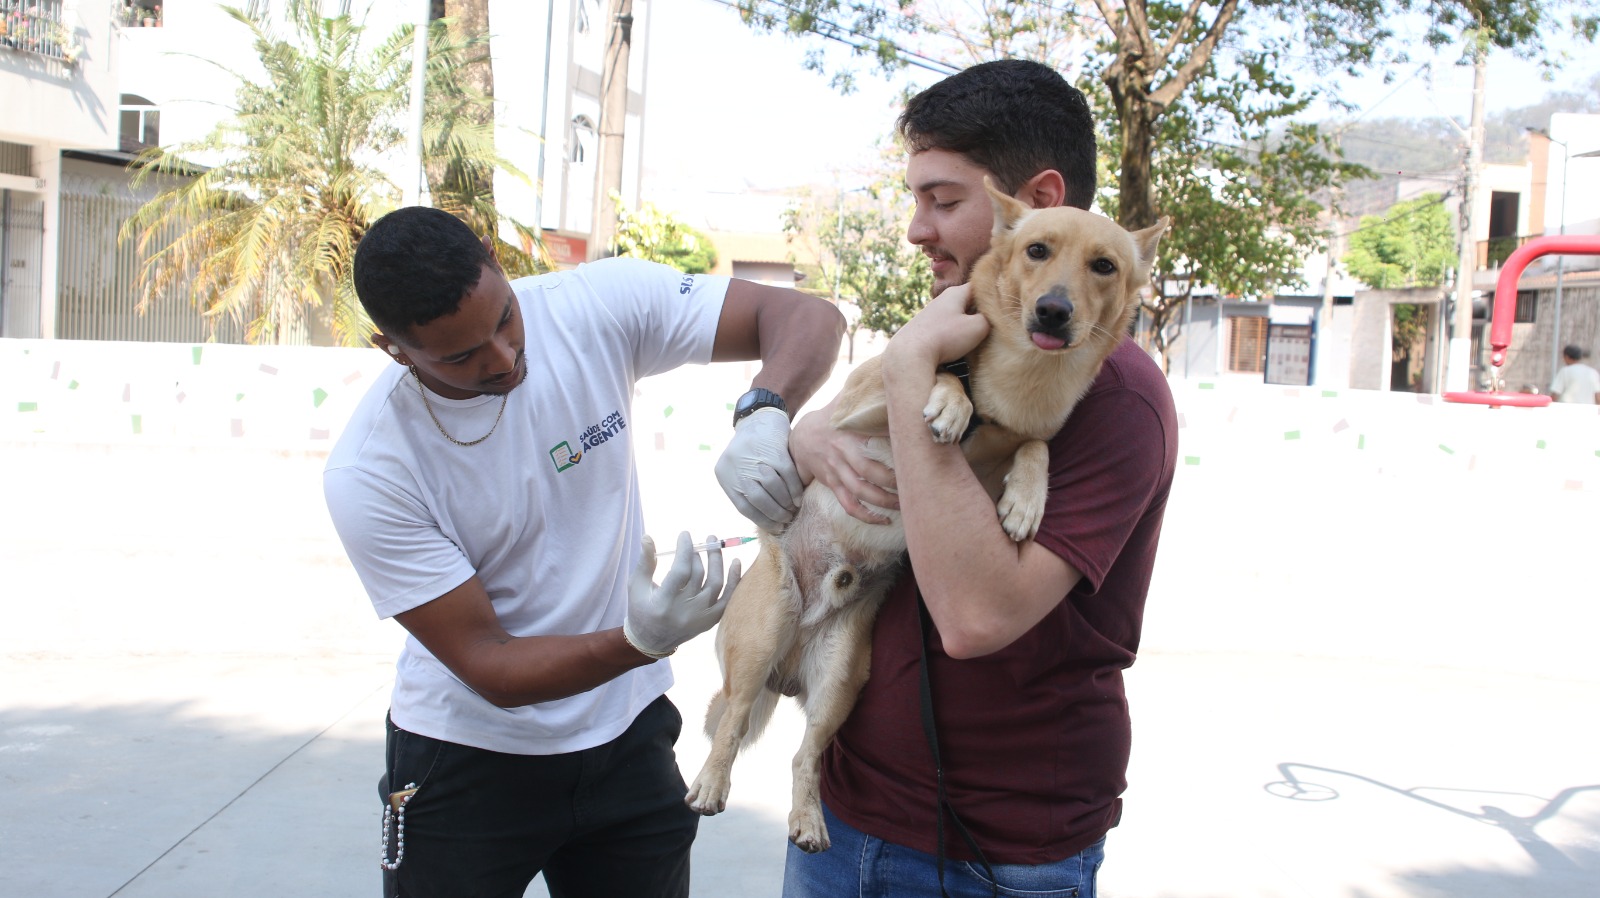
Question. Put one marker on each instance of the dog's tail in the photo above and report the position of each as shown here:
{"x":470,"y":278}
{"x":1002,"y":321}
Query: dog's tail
{"x":760,"y":715}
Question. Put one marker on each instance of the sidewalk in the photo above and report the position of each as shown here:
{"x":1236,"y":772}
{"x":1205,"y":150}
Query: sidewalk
{"x":191,"y":699}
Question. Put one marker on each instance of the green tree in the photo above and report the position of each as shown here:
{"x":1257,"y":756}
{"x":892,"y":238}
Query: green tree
{"x":650,"y":233}
{"x":863,"y":258}
{"x":1412,"y":245}
{"x":263,"y":220}
{"x":1247,"y":201}
{"x":1149,"y":54}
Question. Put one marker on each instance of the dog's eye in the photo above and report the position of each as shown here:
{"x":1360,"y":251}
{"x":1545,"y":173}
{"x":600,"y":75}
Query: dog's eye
{"x":1038,"y":252}
{"x":1103,"y":266}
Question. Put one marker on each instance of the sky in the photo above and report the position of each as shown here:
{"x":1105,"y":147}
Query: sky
{"x":732,"y":109}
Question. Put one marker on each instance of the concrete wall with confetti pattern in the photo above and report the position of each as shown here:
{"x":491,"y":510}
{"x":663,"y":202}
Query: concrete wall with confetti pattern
{"x":298,"y":398}
{"x":1319,"y":522}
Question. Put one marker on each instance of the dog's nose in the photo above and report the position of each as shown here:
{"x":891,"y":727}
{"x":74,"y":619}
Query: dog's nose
{"x":1054,"y":311}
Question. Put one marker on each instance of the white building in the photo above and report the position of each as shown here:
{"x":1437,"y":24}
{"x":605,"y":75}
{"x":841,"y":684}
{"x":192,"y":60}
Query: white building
{"x":161,"y":72}
{"x":58,"y":90}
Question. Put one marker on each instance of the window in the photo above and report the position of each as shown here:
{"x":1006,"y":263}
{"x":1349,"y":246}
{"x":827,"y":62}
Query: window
{"x":1527,"y":307}
{"x":583,"y":130}
{"x":140,"y":14}
{"x":16,"y":158}
{"x":140,"y":126}
{"x":1247,"y":344}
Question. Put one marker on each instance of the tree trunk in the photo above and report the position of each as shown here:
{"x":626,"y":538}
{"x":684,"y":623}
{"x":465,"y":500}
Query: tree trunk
{"x":471,"y":20}
{"x":1137,"y":121}
{"x":613,"y":123}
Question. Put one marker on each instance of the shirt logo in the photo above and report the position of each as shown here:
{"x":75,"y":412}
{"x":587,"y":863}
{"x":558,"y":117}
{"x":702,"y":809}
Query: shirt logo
{"x":562,"y":455}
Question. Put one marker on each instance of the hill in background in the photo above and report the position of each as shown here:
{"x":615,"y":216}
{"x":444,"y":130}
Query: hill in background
{"x":1432,"y":148}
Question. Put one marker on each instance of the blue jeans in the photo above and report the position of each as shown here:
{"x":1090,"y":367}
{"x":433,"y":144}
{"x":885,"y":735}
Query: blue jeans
{"x":606,"y":821}
{"x":861,"y":866}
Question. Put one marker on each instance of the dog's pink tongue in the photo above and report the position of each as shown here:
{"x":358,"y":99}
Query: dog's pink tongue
{"x":1045,"y":341}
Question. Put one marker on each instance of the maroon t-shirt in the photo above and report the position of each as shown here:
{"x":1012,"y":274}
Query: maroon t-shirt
{"x":1034,"y":737}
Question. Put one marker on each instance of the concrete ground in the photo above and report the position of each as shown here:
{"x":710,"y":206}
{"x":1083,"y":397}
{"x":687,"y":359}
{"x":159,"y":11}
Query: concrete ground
{"x":191,"y":697}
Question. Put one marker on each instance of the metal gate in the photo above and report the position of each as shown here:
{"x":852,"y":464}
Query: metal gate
{"x":22,"y":255}
{"x":99,"y":274}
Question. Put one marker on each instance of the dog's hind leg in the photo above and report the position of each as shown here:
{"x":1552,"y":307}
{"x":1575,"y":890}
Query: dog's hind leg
{"x":837,"y":662}
{"x":757,"y":629}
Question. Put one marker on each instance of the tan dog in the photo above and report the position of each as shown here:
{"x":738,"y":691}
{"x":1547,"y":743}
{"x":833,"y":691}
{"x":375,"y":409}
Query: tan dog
{"x":1058,"y":287}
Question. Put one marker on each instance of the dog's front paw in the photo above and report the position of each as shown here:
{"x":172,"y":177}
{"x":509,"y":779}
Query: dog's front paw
{"x":807,"y":831}
{"x":1021,"y":504}
{"x":709,"y":793}
{"x":1021,"y":512}
{"x":948,"y":410}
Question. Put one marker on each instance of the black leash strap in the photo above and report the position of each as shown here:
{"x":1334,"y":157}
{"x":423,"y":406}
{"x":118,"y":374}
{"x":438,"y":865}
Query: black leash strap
{"x":942,"y":803}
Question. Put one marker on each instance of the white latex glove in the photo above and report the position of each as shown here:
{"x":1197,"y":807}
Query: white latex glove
{"x":757,"y":473}
{"x":689,"y":601}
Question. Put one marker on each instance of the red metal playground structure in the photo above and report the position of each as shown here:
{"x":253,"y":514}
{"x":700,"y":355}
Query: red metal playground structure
{"x":1505,"y":302}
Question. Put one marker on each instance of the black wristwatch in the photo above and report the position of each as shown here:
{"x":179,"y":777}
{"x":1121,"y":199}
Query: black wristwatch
{"x":757,"y":398}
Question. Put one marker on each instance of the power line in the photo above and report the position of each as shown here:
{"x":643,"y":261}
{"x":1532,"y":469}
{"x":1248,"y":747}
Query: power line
{"x":835,"y":32}
{"x":1402,"y":216}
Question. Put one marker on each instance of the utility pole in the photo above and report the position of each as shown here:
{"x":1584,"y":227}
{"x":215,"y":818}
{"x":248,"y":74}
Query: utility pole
{"x":1323,"y":376}
{"x":613,"y":122}
{"x":415,"y":191}
{"x":1459,"y":369}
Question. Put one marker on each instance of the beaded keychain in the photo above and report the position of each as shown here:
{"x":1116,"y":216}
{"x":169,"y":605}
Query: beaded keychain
{"x":395,"y":809}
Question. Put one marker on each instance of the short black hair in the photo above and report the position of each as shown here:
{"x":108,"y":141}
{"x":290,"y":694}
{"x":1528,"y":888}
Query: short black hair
{"x":1573,"y":351}
{"x":1013,"y":117}
{"x":414,"y":265}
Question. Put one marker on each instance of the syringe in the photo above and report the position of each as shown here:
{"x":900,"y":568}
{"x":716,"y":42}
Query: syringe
{"x":728,"y":543}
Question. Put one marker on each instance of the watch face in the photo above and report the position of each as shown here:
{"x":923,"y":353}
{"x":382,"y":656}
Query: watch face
{"x":757,"y":398}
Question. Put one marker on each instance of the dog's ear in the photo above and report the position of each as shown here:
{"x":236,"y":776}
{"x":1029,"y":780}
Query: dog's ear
{"x":1008,"y":210}
{"x":1148,"y":239}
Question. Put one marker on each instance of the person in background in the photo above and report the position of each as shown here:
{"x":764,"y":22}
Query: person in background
{"x":486,"y":493}
{"x":1576,"y":383}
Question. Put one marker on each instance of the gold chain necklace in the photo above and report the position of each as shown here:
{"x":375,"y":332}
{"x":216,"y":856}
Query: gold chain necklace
{"x":504,"y":397}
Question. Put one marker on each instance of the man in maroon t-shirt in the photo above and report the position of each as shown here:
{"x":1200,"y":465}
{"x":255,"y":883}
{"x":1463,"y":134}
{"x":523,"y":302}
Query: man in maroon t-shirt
{"x":1028,"y":641}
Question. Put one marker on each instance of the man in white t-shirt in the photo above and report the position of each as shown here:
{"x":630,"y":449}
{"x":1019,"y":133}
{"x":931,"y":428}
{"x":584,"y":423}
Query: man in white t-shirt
{"x":1576,"y":383}
{"x":486,"y":493}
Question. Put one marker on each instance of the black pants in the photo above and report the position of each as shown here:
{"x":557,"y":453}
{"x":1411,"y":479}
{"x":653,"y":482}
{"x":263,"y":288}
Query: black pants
{"x":604,"y":822}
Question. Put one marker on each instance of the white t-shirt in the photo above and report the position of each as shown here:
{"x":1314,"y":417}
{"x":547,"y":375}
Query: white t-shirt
{"x":545,"y":512}
{"x":1576,"y":383}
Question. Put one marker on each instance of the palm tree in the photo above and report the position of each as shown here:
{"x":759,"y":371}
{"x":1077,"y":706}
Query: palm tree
{"x":267,"y":233}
